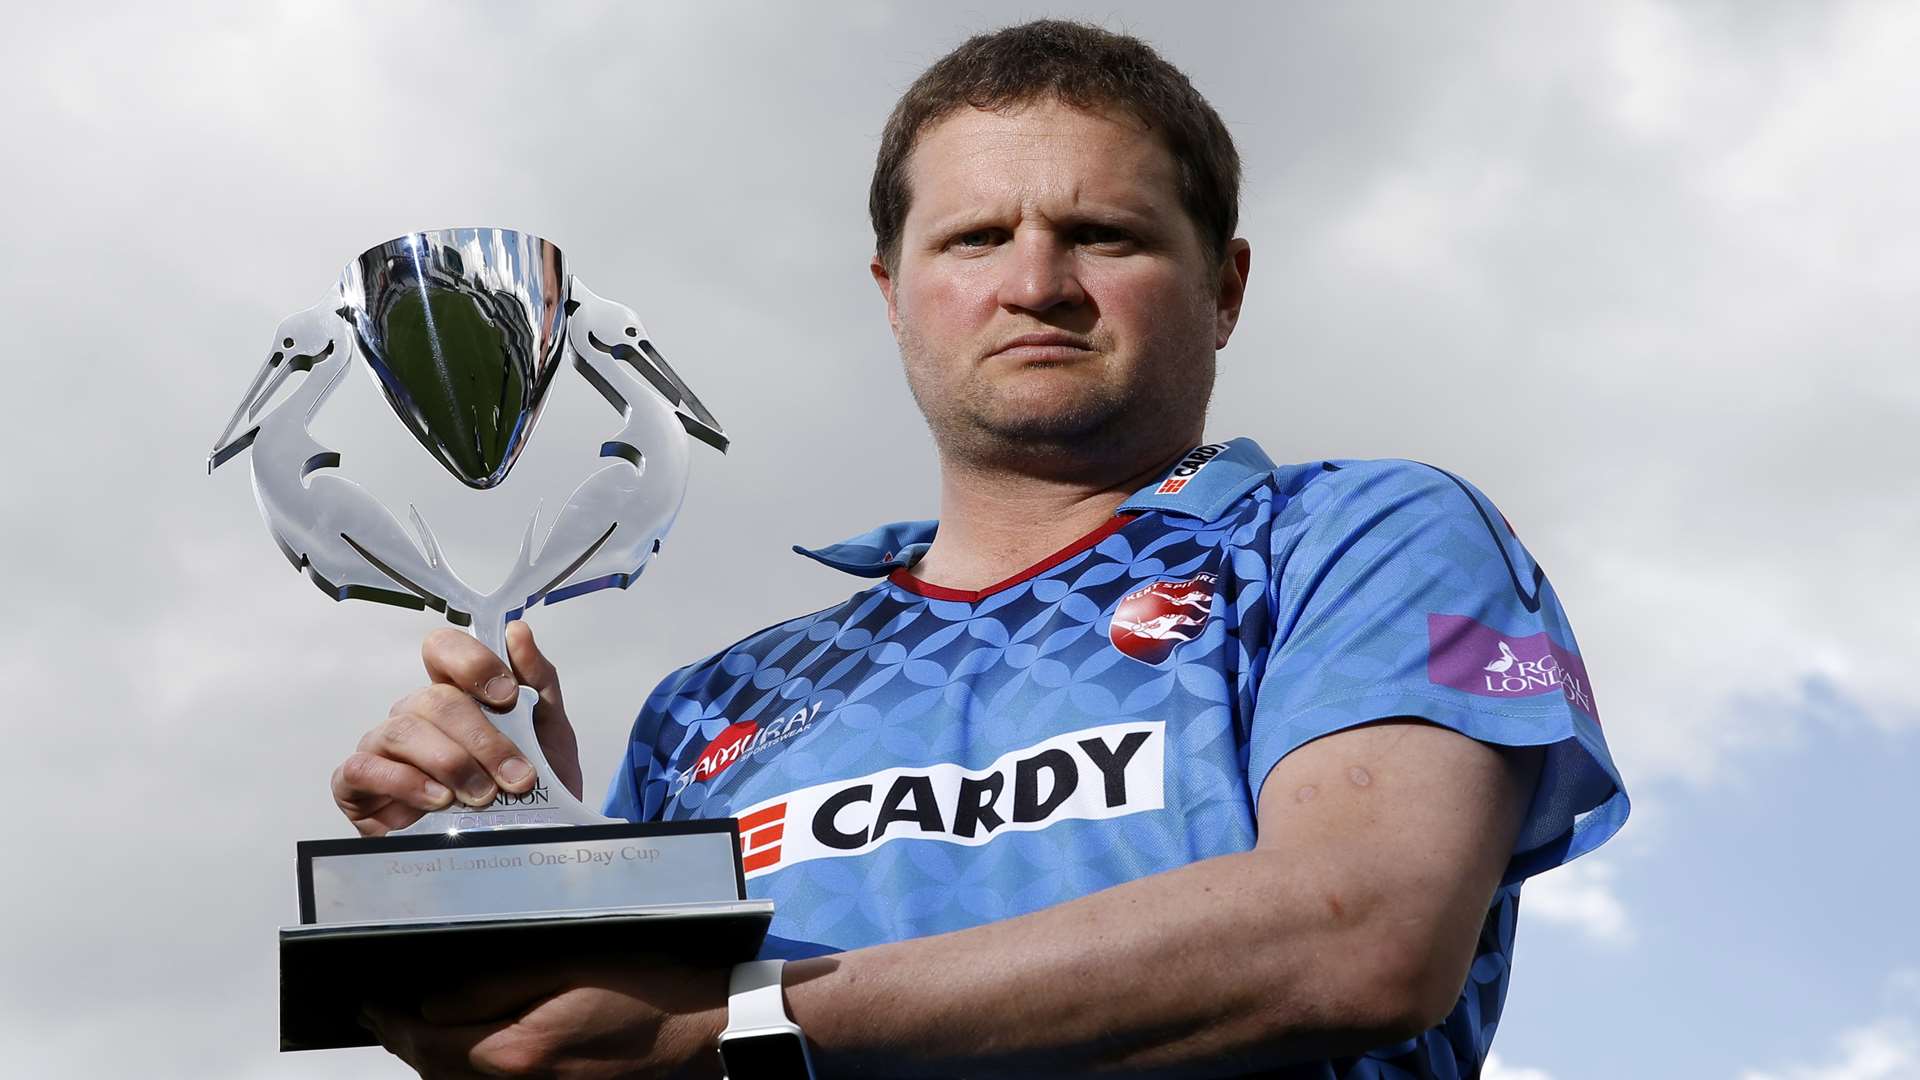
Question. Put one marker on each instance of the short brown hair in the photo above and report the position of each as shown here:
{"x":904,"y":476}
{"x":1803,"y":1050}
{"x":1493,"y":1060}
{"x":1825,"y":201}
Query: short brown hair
{"x":1080,"y":65}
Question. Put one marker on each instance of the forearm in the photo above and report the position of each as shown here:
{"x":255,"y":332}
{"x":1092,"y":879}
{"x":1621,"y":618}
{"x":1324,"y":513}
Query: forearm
{"x":1224,"y":963}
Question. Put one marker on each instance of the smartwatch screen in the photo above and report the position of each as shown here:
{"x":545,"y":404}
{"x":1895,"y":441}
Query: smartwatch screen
{"x":773,"y":1056}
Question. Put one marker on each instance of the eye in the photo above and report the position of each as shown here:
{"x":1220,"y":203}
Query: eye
{"x":1103,"y":236}
{"x":976,"y":238}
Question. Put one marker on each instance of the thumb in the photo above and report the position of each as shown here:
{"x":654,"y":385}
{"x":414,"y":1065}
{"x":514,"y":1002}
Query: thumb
{"x":530,"y":665}
{"x":550,"y":724}
{"x":477,"y":998}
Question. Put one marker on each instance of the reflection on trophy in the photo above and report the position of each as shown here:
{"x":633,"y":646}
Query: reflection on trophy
{"x":464,"y":331}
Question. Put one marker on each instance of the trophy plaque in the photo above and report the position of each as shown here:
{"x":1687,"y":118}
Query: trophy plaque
{"x":464,"y":332}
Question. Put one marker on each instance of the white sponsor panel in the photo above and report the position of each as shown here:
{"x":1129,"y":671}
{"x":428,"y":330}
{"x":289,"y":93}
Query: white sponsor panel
{"x":1092,"y":774}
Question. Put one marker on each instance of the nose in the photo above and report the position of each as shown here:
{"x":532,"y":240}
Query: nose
{"x":1039,"y":273}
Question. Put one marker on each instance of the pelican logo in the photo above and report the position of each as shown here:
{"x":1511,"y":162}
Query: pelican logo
{"x":1149,"y":622}
{"x":1466,"y":654}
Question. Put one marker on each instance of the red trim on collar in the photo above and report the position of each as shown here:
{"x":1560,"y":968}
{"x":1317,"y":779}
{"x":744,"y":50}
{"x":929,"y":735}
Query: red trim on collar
{"x":905,"y":579}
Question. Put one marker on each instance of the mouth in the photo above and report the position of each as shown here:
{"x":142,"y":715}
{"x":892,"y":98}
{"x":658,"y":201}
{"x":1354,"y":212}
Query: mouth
{"x":1044,"y":348}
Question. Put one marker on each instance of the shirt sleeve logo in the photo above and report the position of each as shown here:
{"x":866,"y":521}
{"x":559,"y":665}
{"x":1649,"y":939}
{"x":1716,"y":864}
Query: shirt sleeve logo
{"x":1467,"y":654}
{"x":1149,"y":622}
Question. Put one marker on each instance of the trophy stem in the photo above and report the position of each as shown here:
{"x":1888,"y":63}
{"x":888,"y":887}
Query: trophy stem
{"x":489,"y":628}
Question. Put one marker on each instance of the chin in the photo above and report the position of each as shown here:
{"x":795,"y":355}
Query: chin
{"x":1059,"y":425}
{"x":1067,"y":413}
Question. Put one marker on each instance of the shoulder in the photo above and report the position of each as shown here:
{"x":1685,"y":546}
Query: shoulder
{"x":1374,"y":485}
{"x":1418,"y":517}
{"x":1303,"y":514}
{"x":1236,"y":481}
{"x":1335,"y":498}
{"x":714,"y":672}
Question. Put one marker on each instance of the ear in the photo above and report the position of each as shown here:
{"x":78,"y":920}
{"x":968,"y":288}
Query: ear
{"x":1230,"y":289}
{"x":884,"y":278}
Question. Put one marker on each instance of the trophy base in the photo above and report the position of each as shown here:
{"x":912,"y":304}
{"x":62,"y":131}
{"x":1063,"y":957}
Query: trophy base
{"x":328,"y":972}
{"x":392,"y":918}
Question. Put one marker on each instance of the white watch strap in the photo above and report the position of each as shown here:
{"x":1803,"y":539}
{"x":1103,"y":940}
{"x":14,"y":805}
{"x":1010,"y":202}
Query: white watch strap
{"x":754,"y":999}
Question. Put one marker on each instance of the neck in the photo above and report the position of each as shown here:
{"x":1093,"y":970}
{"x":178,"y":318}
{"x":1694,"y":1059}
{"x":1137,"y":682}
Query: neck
{"x":997,"y":521}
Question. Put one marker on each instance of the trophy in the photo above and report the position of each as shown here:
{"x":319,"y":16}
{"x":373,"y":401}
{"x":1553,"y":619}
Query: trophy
{"x":464,"y":331}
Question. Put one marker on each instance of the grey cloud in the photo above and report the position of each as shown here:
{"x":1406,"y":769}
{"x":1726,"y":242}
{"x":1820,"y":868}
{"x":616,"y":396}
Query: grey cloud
{"x":1634,"y":270}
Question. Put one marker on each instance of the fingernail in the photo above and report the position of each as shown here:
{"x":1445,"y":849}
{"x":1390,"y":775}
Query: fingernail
{"x":438,"y":793}
{"x":514,"y":770}
{"x":476,"y":793}
{"x":501,"y":688}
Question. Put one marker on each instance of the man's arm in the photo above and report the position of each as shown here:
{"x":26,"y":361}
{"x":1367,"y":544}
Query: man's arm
{"x":1350,"y":925}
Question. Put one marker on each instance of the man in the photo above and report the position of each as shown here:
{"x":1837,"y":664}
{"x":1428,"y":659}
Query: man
{"x":1153,"y":756}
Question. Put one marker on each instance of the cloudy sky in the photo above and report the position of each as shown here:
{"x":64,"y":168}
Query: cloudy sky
{"x":1644,"y":272}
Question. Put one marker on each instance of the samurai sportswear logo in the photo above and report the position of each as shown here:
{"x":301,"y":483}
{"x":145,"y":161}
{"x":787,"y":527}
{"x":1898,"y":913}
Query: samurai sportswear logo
{"x":1195,"y":460}
{"x":742,"y":740}
{"x":1149,"y":622}
{"x":1090,"y":775}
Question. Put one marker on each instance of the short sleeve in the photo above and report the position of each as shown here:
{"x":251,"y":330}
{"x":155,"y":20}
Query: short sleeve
{"x":623,"y":792}
{"x":635,"y":794}
{"x":1400,"y":591}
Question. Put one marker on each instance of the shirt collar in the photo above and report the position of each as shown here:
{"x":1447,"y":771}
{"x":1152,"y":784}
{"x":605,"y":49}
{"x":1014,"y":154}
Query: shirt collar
{"x":1206,"y":482}
{"x":1203,"y":484}
{"x":877,"y":553}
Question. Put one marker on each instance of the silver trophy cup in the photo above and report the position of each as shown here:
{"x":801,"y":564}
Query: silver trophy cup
{"x":464,"y":331}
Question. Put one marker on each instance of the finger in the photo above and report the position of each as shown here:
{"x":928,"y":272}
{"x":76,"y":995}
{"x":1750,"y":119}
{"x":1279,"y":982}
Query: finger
{"x":441,"y":732}
{"x":456,"y":715}
{"x":488,"y":997}
{"x":432,"y":1051}
{"x":365,"y":785}
{"x":456,"y":659}
{"x":389,"y":818}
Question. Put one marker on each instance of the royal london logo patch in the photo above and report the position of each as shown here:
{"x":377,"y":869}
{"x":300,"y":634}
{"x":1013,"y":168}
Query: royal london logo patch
{"x":1150,"y":622}
{"x":1467,"y":654}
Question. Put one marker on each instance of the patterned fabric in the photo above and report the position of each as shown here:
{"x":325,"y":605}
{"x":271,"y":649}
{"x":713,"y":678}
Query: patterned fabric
{"x":916,"y":760}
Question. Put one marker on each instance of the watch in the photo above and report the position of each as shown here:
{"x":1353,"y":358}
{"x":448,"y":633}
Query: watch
{"x":761,"y":1042}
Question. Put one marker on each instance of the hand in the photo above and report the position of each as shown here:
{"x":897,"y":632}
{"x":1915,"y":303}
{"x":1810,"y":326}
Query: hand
{"x":437,"y":745}
{"x":623,"y":1018}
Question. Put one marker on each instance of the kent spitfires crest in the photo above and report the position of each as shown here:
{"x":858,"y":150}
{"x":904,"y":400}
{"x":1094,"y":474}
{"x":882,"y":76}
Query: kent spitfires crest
{"x":1151,"y":621}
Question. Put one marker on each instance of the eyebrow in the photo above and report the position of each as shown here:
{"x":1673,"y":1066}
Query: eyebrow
{"x":962,"y":221}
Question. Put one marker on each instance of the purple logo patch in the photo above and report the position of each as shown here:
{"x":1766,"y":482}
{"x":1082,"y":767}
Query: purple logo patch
{"x":1469,"y":655}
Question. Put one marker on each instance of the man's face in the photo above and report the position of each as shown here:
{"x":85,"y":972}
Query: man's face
{"x":1051,"y":294}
